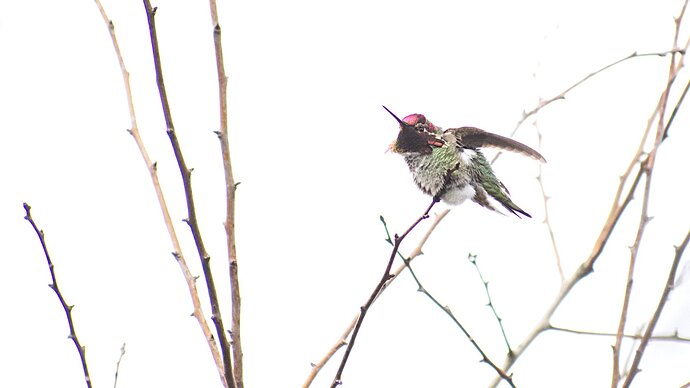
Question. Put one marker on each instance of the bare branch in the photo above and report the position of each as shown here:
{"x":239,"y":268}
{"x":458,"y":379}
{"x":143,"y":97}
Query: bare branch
{"x":547,"y":219}
{"x":342,"y":340}
{"x":230,"y":188}
{"x":634,"y":368}
{"x":674,"y":337}
{"x":117,"y":365}
{"x":648,"y":167}
{"x":186,"y":173}
{"x":153,"y":172}
{"x":447,"y":311}
{"x":561,"y":96}
{"x":617,"y":207}
{"x":473,"y":259}
{"x":386,"y":276}
{"x":54,"y":286}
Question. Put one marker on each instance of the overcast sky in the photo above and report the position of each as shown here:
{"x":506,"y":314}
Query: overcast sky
{"x":308,"y":135}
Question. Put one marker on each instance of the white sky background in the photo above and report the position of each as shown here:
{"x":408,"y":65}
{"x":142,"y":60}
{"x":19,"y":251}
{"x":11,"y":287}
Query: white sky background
{"x":307,"y":80}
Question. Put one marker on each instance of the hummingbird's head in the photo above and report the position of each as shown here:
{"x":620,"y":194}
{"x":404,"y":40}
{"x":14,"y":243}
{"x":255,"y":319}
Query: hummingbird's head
{"x":416,"y":135}
{"x":419,"y":121}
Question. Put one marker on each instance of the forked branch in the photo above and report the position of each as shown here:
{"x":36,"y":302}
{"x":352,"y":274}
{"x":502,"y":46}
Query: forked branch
{"x":384,"y":279}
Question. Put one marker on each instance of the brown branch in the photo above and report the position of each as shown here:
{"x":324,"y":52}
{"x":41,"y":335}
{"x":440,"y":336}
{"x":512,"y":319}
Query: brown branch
{"x":117,"y":364}
{"x":674,"y":337}
{"x":648,"y":166}
{"x":634,"y":368}
{"x":617,"y":207}
{"x":561,"y":96}
{"x":644,"y":220}
{"x":342,"y":340}
{"x":153,"y":173}
{"x":191,"y":220}
{"x":384,"y":279}
{"x":582,"y":271}
{"x":54,"y":286}
{"x":230,"y":188}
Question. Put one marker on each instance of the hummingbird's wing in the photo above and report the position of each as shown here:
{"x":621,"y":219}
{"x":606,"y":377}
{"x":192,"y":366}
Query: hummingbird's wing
{"x":471,"y":137}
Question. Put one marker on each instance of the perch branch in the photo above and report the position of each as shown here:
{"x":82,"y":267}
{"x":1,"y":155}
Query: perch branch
{"x":446,"y":310}
{"x":342,"y":340}
{"x":337,"y":380}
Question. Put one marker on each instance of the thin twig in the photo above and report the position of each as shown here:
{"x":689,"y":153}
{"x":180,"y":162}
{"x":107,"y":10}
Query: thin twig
{"x":54,"y":286}
{"x":547,"y":219}
{"x":386,"y":276}
{"x":153,"y":173}
{"x":473,"y":259}
{"x":502,"y":374}
{"x":230,"y":189}
{"x":634,"y":368}
{"x":342,"y":340}
{"x":674,"y":337}
{"x":560,"y":96}
{"x":446,"y":310}
{"x":191,"y":220}
{"x":117,"y":365}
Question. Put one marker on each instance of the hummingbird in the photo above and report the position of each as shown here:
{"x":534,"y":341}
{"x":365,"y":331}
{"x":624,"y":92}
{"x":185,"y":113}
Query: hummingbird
{"x":449,"y":165}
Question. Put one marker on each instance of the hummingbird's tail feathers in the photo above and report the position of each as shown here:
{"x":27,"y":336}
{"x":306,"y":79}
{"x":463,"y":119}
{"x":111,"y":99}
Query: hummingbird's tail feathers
{"x":489,"y":195}
{"x":471,"y":137}
{"x":515,"y":210}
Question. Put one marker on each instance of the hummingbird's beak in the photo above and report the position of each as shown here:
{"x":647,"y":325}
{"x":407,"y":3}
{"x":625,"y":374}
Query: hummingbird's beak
{"x":393,"y":114}
{"x":391,"y":148}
